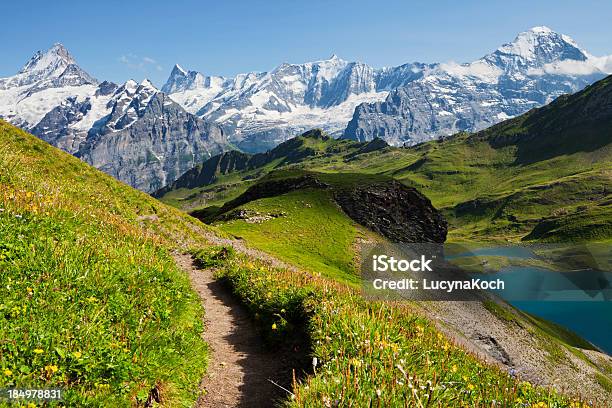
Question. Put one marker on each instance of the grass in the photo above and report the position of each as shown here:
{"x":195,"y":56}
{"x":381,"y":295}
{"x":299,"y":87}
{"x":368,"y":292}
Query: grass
{"x":542,"y":176}
{"x":302,"y":235}
{"x":91,"y":300}
{"x":604,"y":382}
{"x":370,"y":353}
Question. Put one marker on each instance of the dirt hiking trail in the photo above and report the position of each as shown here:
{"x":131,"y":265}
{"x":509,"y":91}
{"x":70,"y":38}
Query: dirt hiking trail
{"x":240,"y":366}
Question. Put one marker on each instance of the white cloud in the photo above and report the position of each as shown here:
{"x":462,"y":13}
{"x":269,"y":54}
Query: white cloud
{"x":479,"y":69}
{"x":140,"y":63}
{"x":573,"y":67}
{"x":604,"y":63}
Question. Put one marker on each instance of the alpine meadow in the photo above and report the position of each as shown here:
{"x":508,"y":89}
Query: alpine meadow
{"x":215,"y":241}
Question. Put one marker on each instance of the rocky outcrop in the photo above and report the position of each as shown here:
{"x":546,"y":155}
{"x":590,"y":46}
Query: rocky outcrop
{"x":395,"y":211}
{"x":152,"y":144}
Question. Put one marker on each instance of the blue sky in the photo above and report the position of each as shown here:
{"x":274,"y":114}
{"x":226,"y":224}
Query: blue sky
{"x":118,"y":40}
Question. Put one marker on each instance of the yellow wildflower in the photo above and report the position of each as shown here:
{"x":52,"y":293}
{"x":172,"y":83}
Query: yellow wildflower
{"x":454,"y":368}
{"x":273,"y":326}
{"x":51,"y":369}
{"x":8,"y":372}
{"x":77,"y":354}
{"x":38,"y":351}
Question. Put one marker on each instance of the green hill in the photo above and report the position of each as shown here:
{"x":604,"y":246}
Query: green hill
{"x":91,"y":300}
{"x":225,"y":176}
{"x":315,"y":220}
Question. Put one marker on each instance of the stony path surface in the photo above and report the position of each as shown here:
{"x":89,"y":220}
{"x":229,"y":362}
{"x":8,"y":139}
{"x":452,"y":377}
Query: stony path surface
{"x":240,"y":366}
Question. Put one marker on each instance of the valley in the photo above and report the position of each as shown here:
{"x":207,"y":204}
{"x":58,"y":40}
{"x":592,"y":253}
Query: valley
{"x":216,"y":240}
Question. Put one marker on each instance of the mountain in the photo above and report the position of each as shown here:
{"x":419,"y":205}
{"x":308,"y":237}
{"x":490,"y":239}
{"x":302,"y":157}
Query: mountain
{"x":310,"y":145}
{"x":405,"y":104}
{"x":196,"y":116}
{"x":192,"y":89}
{"x":261,"y":110}
{"x":133,"y":132}
{"x":44,"y":82}
{"x":537,"y":67}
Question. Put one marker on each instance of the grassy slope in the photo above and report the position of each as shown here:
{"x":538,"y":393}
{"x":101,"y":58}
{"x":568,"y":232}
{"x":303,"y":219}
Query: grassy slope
{"x":483,"y":194}
{"x":90,"y":298}
{"x":312,"y":232}
{"x":301,"y":236}
{"x":369,"y":353}
{"x":488,"y":191}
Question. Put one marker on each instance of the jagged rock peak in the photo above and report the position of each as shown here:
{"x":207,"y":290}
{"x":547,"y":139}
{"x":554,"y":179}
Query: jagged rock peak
{"x":55,"y":56}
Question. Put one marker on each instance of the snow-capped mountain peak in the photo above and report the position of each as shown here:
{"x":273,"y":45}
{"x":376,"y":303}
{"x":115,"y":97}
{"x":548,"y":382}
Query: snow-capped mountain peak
{"x":541,"y":45}
{"x":45,"y":81}
{"x":179,"y":69}
{"x":54,"y":67}
{"x":535,"y":68}
{"x":55,"y":59}
{"x":148,"y":85}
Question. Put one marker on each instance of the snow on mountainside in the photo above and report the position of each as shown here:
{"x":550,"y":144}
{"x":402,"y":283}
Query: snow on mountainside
{"x":143,"y":137}
{"x":193,"y":90}
{"x":409,"y":103}
{"x":45,"y":81}
{"x":132,"y":131}
{"x":261,"y":110}
{"x":534,"y":69}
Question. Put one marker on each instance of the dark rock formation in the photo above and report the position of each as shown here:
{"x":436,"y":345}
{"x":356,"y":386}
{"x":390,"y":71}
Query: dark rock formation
{"x":395,"y":211}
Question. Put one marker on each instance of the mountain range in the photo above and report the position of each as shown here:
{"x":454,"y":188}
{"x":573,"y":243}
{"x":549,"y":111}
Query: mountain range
{"x":410,"y":103}
{"x":148,"y":137}
{"x":133,"y":131}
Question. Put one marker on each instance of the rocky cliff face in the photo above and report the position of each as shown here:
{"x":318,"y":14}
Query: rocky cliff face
{"x":261,"y":110}
{"x":152,"y":143}
{"x":395,"y":211}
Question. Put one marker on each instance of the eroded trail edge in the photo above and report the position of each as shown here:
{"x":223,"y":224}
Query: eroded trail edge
{"x":240,"y":366}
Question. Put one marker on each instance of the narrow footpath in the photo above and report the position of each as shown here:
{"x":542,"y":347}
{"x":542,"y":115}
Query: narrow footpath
{"x":240,"y":367}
